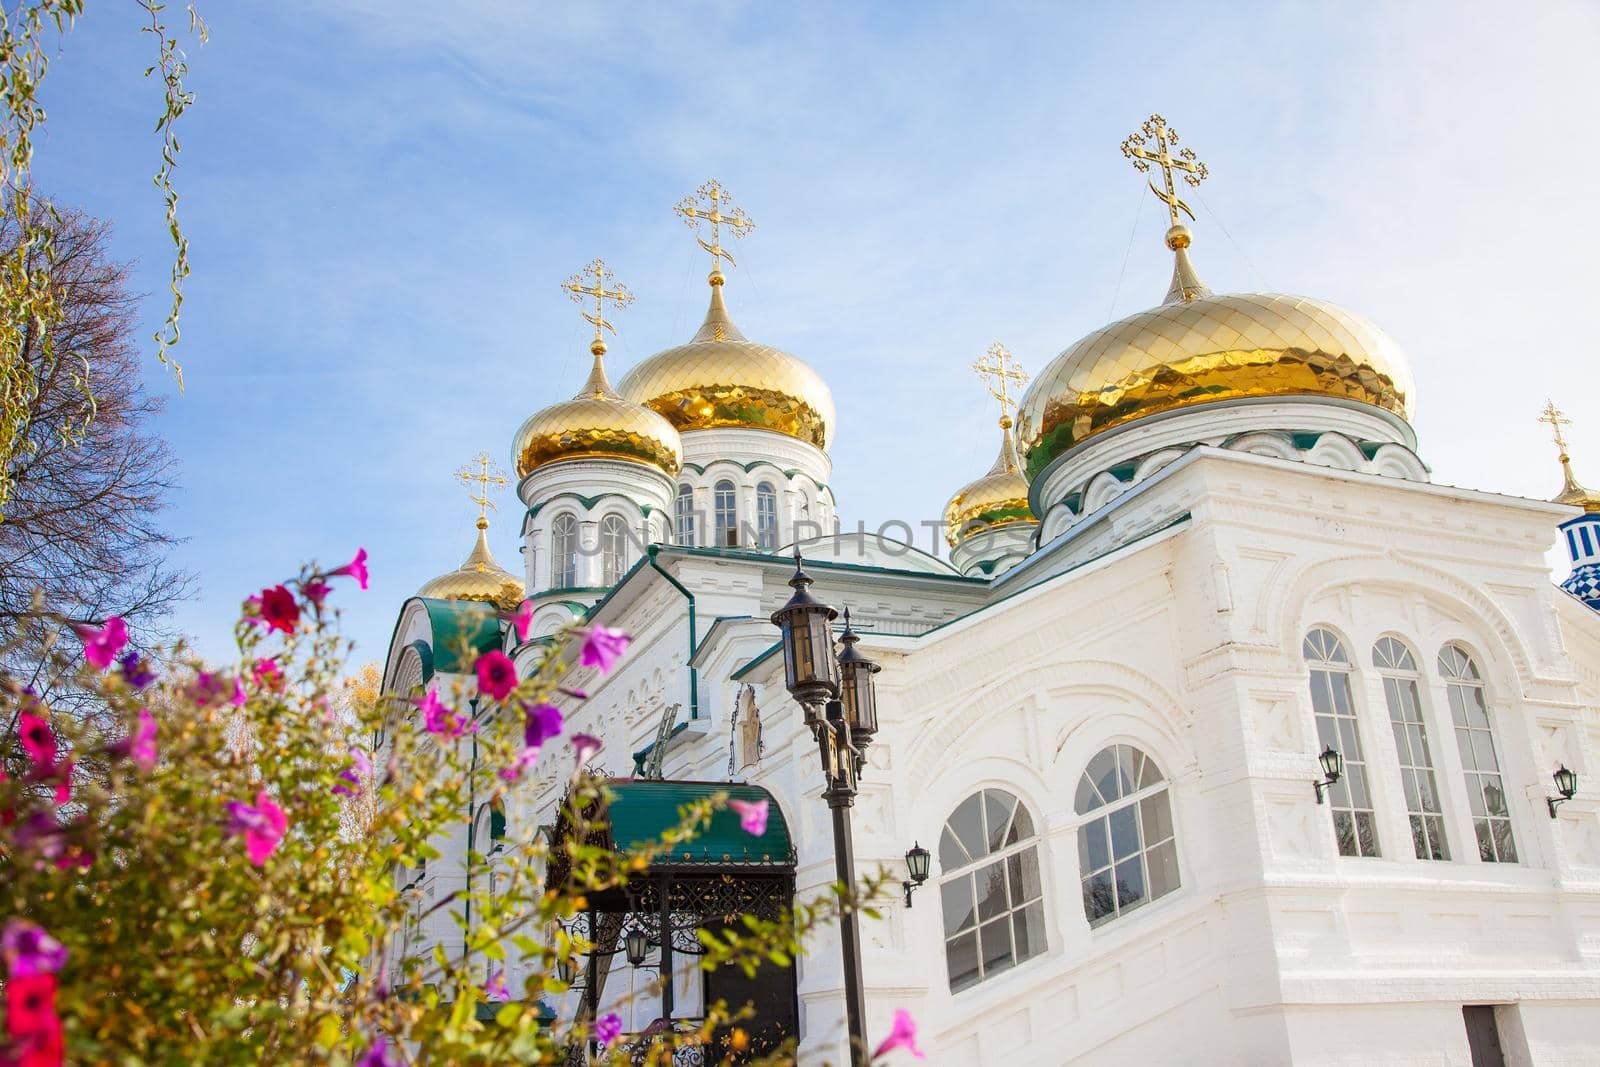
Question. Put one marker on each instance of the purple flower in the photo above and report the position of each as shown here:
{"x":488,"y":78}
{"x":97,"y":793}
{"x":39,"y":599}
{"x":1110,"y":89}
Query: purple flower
{"x":607,"y":1028}
{"x":524,"y":759}
{"x":359,"y":768}
{"x":377,"y":1054}
{"x":29,"y":951}
{"x":543,"y":722}
{"x":902,"y":1034}
{"x":495,"y":987}
{"x":437,"y":718}
{"x":41,"y":831}
{"x":262,"y":825}
{"x":135,"y":671}
{"x":142,"y":742}
{"x":602,"y":647}
{"x":584,"y":746}
{"x":752,"y":815}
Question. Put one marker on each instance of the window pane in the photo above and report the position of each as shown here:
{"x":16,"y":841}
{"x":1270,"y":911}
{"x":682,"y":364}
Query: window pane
{"x":1021,"y":825}
{"x":1099,"y":901}
{"x":1124,"y":832}
{"x":965,"y":824}
{"x":1103,"y":772}
{"x":951,"y":855}
{"x":961,"y":959}
{"x":1344,"y":832}
{"x":1163,"y":863}
{"x":1027,"y":927}
{"x":1156,"y":811}
{"x":1130,"y":884}
{"x":1023,"y":871}
{"x":1503,"y":844}
{"x":991,"y":888}
{"x":1094,"y":850}
{"x":1366,"y":833}
{"x":1088,"y":798}
{"x":1485,"y":840}
{"x":959,"y":912}
{"x":997,"y":813}
{"x":996,"y":938}
{"x":1149,"y":774}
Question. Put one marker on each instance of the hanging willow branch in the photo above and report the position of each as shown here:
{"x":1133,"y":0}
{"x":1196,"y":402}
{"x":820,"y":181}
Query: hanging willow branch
{"x":30,"y":304}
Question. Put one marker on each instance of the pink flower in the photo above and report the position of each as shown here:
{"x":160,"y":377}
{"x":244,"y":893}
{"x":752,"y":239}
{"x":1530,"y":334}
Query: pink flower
{"x":356,"y":568}
{"x":544,"y":722}
{"x":101,"y":646}
{"x":28,"y":950}
{"x":32,"y":1022}
{"x":495,"y":987}
{"x":316,"y":590}
{"x":279,"y":610}
{"x":352,"y":776}
{"x":38,"y":739}
{"x":497,"y":675}
{"x":524,"y":759}
{"x":903,"y":1034}
{"x":602,"y":647}
{"x":262,"y":825}
{"x":239,"y":695}
{"x":377,"y":1054}
{"x":143,"y":742}
{"x":752,"y":815}
{"x":584,"y":746}
{"x":63,"y":779}
{"x":607,"y":1028}
{"x":437,"y":718}
{"x":267,"y":674}
{"x":523,"y":619}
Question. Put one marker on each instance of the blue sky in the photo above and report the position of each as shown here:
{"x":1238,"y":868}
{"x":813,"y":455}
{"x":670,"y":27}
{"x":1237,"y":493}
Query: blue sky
{"x":382,"y":199}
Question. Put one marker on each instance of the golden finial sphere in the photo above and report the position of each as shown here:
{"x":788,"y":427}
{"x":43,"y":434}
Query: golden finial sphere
{"x":1179,"y":237}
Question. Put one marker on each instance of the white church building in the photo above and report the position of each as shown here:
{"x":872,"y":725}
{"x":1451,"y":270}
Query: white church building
{"x":1208,"y":562}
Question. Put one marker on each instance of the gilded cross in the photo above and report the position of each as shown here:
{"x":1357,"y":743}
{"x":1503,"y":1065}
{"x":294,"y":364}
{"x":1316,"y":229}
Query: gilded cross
{"x":1164,"y":137}
{"x":998,"y":371}
{"x":477,"y":476}
{"x":597,"y":275}
{"x":1556,"y":419}
{"x":719,"y":211}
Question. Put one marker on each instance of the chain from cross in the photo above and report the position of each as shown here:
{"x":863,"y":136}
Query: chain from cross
{"x":1164,"y":137}
{"x":998,"y":370}
{"x":598,"y":275}
{"x":483,"y":472}
{"x":716,"y":198}
{"x":1556,"y":419}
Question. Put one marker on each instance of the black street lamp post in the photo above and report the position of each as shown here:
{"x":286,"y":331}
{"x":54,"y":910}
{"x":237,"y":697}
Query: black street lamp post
{"x":840,"y":707}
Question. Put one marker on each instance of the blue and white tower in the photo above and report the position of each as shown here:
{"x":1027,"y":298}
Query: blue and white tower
{"x":1583,"y":532}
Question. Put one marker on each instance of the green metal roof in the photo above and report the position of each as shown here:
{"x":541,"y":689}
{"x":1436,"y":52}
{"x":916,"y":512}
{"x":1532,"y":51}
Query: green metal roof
{"x":642,"y":810}
{"x":460,"y":626}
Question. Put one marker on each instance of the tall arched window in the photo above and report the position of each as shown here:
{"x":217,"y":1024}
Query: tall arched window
{"x":613,"y":549}
{"x":564,"y":551}
{"x":683,"y":516}
{"x":1398,"y":669}
{"x":1486,"y":790}
{"x":767,"y":516}
{"x":990,"y":888}
{"x":1127,"y":853}
{"x":725,"y":508}
{"x":1354,"y":826}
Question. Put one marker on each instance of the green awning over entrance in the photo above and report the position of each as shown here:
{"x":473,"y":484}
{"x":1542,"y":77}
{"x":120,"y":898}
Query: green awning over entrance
{"x":643,"y":809}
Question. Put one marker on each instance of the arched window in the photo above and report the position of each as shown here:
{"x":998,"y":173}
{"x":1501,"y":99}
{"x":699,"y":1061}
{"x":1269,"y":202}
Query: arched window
{"x":1486,"y":790}
{"x":989,"y":886}
{"x":1398,"y":669}
{"x":613,"y":549}
{"x":725,"y":507}
{"x":683,"y":516}
{"x":1127,"y":853}
{"x":1354,"y":826}
{"x":767,"y":516}
{"x":564,"y":551}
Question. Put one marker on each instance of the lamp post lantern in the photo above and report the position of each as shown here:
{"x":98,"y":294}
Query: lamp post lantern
{"x":817,"y":680}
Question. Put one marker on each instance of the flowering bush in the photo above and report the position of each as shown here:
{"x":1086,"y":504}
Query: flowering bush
{"x":213,"y":879}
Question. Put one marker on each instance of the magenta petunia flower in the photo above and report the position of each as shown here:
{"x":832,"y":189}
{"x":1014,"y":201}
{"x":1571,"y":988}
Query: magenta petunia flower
{"x":497,"y":675}
{"x":279,"y":609}
{"x":239,"y":695}
{"x":602,"y":647}
{"x":752,"y":815}
{"x":544,"y":721}
{"x":438,"y":718}
{"x":377,"y":1054}
{"x":316,"y":590}
{"x":262,"y":825}
{"x":355,"y":773}
{"x":37,"y":739}
{"x":356,"y":568}
{"x":32,"y":1022}
{"x":608,"y":1028}
{"x":142,"y":747}
{"x":523,"y":619}
{"x":584,"y":747}
{"x":135,"y":671}
{"x":63,"y":779}
{"x":267,"y":674}
{"x":523,"y":760}
{"x":100,"y":646}
{"x":40,"y":831}
{"x":902,"y":1034}
{"x":495,"y":987}
{"x":28,"y":950}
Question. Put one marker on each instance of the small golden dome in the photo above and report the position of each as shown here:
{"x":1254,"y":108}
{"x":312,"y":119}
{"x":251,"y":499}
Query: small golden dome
{"x":1574,"y":493}
{"x":999,"y":498}
{"x":1201,"y":347}
{"x":722,"y":379}
{"x":480,"y":578}
{"x":596,"y":424}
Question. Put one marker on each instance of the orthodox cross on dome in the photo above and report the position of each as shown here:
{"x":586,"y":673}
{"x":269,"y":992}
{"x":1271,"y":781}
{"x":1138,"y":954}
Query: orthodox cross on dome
{"x":998,"y":371}
{"x":719,"y":211}
{"x":1164,"y":137}
{"x":598,"y":275}
{"x":477,"y":476}
{"x":1556,"y":419}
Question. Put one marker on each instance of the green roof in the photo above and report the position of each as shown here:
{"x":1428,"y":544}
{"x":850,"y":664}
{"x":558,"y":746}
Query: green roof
{"x":642,"y":810}
{"x":460,"y":625}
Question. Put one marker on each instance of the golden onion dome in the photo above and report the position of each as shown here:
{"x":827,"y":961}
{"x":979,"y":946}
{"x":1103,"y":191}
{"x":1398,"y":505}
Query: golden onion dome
{"x":596,"y":424}
{"x":999,"y":498}
{"x":1199,"y":347}
{"x":1572,"y":491}
{"x":480,"y":578}
{"x":720,"y":378}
